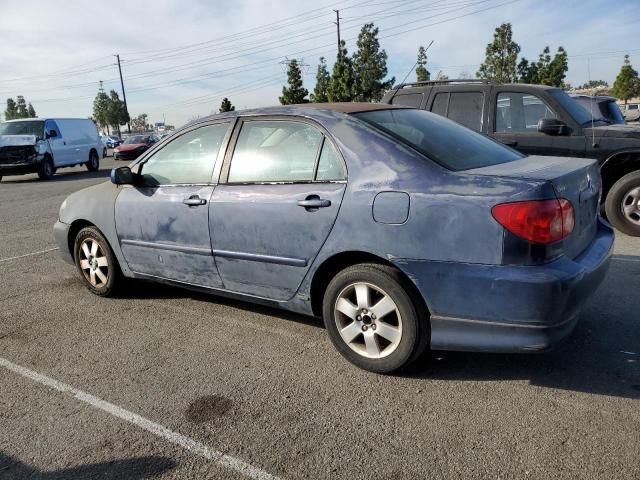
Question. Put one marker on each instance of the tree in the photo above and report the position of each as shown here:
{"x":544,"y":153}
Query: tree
{"x":22,"y":107}
{"x":101,"y":107}
{"x":500,"y":57}
{"x":11,"y":113}
{"x":341,"y":85}
{"x":422,"y":74}
{"x":226,"y":106}
{"x":139,"y":123}
{"x":116,"y":113}
{"x":295,"y":92}
{"x":370,"y":66}
{"x":31,"y":111}
{"x":321,"y":91}
{"x":626,"y":84}
{"x":593,"y":84}
{"x":547,"y":70}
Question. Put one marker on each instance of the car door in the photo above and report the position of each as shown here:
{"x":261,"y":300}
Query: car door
{"x":163,"y":221}
{"x":57,"y":144}
{"x":516,"y":125}
{"x":276,"y":203}
{"x":464,"y":107}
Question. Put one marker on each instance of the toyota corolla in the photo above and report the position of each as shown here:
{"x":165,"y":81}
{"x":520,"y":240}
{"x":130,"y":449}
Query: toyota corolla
{"x":401,"y":229}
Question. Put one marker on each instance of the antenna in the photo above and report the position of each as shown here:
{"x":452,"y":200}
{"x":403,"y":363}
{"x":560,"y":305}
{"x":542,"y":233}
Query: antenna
{"x":593,"y":131}
{"x":408,"y":73}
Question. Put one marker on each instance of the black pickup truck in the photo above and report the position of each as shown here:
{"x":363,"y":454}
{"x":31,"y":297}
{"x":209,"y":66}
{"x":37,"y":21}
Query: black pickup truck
{"x":541,"y":120}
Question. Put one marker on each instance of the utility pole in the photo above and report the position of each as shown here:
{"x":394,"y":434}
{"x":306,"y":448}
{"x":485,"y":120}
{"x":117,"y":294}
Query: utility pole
{"x":124,"y":95}
{"x":337,"y":24}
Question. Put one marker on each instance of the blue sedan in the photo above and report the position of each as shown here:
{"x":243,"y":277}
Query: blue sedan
{"x":401,"y":229}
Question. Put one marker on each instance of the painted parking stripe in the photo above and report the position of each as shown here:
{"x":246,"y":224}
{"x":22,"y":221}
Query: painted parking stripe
{"x":40,"y":252}
{"x":144,"y":423}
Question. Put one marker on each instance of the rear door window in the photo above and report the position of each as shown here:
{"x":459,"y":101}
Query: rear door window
{"x":439,"y":105}
{"x":466,"y":108}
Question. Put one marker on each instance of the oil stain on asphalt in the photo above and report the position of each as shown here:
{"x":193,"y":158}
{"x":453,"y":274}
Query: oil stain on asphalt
{"x":206,"y":408}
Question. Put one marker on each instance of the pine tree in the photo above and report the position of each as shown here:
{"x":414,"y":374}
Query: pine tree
{"x":11,"y":113}
{"x":342,"y":83}
{"x":500,"y":57}
{"x":370,"y":66}
{"x":626,"y":84}
{"x":22,"y":107}
{"x":31,"y":111}
{"x":116,"y":112}
{"x":422,"y":74}
{"x":226,"y":106}
{"x":321,"y":91}
{"x":547,"y":70}
{"x":101,"y":105}
{"x":295,"y":92}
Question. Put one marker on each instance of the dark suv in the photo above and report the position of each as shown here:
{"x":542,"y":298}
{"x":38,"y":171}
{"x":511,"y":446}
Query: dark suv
{"x":541,"y":120}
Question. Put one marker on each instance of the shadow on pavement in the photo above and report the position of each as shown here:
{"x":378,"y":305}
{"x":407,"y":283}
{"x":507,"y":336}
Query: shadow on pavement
{"x":61,"y":176}
{"x":129,"y":469}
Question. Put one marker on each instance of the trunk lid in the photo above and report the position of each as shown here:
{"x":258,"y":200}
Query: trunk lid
{"x":576,"y":179}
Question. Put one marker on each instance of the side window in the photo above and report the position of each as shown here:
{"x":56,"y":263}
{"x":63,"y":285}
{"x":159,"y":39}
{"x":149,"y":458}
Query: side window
{"x":188,"y":159}
{"x":466,"y":108}
{"x":330,"y":165}
{"x":520,"y":112}
{"x":275,"y":151}
{"x":51,"y":125}
{"x":440,"y":104}
{"x":409,"y":100}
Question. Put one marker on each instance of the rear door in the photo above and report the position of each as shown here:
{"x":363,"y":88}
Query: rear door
{"x":464,"y":107}
{"x":516,"y":117}
{"x":276,"y":203}
{"x":163,"y":223}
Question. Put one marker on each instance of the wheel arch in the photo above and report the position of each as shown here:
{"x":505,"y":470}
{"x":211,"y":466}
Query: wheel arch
{"x":338,"y":262}
{"x":617,"y":166}
{"x":74,"y":229}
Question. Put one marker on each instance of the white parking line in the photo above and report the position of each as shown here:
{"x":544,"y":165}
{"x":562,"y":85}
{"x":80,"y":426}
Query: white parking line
{"x":626,"y":259}
{"x":29,"y":254}
{"x":135,"y":419}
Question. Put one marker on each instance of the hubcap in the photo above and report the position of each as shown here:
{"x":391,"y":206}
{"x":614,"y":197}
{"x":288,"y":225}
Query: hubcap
{"x":368,"y":320}
{"x":93,"y":263}
{"x":631,"y":205}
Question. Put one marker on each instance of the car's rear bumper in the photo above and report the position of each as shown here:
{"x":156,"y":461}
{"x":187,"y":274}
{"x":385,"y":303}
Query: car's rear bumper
{"x":61,"y":235}
{"x":506,"y":308}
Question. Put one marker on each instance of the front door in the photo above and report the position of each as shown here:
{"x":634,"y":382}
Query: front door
{"x":516,"y":124}
{"x":62,"y":153}
{"x":163,"y":222}
{"x":276,"y":203}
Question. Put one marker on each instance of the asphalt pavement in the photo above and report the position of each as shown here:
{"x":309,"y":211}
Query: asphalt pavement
{"x":166,"y":383}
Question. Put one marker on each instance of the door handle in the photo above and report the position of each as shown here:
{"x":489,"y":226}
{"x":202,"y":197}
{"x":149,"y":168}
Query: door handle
{"x":313,"y":203}
{"x":194,"y":201}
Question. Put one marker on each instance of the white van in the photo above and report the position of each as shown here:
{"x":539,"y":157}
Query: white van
{"x":37,"y":145}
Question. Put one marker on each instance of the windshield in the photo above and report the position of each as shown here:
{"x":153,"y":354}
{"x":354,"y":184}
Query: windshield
{"x":573,"y":108}
{"x":137,"y":139}
{"x":602,"y":109}
{"x":450,"y":144}
{"x":22,"y":128}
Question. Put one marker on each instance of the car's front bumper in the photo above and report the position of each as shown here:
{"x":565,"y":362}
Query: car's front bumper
{"x":508,"y":308}
{"x":61,"y":235}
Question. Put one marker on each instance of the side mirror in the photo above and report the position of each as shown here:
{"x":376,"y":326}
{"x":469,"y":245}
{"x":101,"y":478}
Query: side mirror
{"x":553,"y":126}
{"x":52,"y":134}
{"x":122,"y":176}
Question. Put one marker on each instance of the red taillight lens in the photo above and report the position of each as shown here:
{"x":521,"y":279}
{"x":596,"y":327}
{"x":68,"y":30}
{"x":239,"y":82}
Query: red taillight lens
{"x":537,"y":221}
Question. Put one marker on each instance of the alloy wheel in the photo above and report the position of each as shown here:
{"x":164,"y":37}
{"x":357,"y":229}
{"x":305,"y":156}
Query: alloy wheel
{"x":93,"y":263}
{"x":631,"y":205}
{"x":368,"y":320}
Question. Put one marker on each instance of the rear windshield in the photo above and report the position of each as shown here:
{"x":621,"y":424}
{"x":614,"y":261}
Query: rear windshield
{"x":450,"y":144}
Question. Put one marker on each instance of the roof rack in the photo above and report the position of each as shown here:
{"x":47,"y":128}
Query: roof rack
{"x":445,"y":82}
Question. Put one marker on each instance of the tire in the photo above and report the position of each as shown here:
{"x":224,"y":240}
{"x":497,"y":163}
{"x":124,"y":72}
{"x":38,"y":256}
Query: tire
{"x":94,"y":162}
{"x":46,"y":170}
{"x":405,"y":323}
{"x":96,"y":262}
{"x":623,"y":204}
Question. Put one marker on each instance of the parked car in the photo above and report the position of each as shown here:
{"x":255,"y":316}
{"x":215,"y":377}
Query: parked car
{"x":134,"y":146}
{"x":402,"y":229}
{"x":631,"y":112}
{"x":110,"y":141}
{"x":601,"y":107}
{"x":42,"y":145}
{"x":541,"y":120}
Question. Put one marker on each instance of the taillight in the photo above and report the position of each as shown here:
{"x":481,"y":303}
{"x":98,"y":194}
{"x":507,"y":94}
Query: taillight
{"x":537,"y":221}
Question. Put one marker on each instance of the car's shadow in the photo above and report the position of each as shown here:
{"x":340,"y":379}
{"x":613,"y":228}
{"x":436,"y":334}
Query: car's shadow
{"x":60,"y":176}
{"x":130,"y":469}
{"x":602,"y":356}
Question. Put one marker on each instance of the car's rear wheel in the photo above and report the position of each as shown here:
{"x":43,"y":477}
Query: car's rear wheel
{"x":372,"y":320}
{"x":94,"y":162}
{"x":623,"y":204}
{"x":46,"y":170}
{"x":96,"y":262}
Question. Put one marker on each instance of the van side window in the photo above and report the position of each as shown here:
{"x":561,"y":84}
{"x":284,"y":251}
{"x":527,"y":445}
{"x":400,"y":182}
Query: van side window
{"x":50,"y":125}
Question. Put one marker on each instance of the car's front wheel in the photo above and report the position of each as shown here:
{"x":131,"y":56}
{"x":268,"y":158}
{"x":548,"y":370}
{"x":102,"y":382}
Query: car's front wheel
{"x":372,"y":320}
{"x":96,"y":262}
{"x":623,"y":204}
{"x":46,"y":170}
{"x":94,"y":162}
